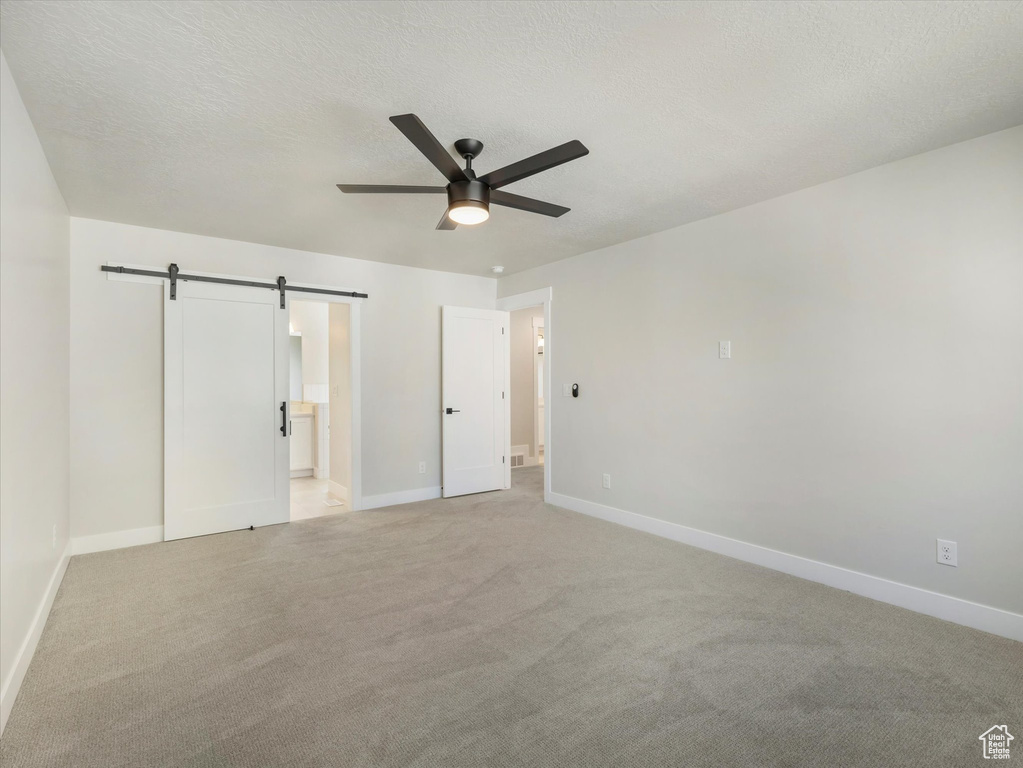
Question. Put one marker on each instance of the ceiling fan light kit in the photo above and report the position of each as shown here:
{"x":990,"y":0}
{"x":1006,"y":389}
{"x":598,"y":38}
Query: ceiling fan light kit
{"x":468,"y":202}
{"x":469,"y":197}
{"x":469,"y":212}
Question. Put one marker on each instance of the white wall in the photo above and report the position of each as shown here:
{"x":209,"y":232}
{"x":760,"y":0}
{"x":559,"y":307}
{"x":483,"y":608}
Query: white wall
{"x":521,"y":363}
{"x":310,"y":319}
{"x":874,"y":401}
{"x":117,"y":363}
{"x":34,"y":332}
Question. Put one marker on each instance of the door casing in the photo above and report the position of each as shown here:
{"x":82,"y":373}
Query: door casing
{"x":545,"y":297}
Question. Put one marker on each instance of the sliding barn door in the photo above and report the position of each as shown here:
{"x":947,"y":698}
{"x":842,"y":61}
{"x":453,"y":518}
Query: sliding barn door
{"x":475,"y":405}
{"x":225,"y":433}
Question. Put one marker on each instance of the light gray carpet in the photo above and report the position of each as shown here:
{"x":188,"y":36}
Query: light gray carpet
{"x":490,"y":630}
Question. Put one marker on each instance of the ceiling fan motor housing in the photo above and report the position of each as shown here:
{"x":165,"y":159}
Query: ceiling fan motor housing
{"x":471,"y":192}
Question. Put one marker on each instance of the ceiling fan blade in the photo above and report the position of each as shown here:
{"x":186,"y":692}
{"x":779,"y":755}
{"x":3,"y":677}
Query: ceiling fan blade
{"x":509,"y":200}
{"x":446,"y":222}
{"x":395,"y":188}
{"x":416,"y":132}
{"x":535,"y":164}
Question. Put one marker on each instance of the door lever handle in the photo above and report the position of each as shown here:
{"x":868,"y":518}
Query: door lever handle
{"x":451,"y":410}
{"x":284,"y":418}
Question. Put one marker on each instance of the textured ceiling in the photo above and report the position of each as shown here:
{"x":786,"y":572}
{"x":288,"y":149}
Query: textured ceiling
{"x":237,"y":119}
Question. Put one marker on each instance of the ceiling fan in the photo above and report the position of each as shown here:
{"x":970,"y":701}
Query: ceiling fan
{"x":469,"y":196}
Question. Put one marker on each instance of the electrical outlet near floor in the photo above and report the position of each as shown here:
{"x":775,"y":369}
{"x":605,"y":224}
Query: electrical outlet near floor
{"x":947,"y":554}
{"x":422,"y":467}
{"x":606,"y":480}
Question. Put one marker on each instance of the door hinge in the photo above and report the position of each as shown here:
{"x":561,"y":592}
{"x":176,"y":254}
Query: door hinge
{"x":502,"y":459}
{"x":502,"y":395}
{"x":502,"y":330}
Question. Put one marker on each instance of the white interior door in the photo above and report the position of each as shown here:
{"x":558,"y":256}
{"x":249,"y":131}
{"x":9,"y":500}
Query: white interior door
{"x":225,"y":382}
{"x":475,"y":407}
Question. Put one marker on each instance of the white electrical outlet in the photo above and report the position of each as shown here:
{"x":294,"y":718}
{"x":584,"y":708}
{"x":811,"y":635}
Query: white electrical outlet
{"x":947,"y":554}
{"x":606,"y":480}
{"x":422,"y":467}
{"x":725,"y":350}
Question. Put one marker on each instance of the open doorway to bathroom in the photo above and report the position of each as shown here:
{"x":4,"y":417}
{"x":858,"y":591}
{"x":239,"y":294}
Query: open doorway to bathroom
{"x":526,"y":361}
{"x":321,"y":408}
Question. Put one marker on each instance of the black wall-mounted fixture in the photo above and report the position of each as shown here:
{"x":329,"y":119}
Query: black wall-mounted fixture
{"x":575,"y":390}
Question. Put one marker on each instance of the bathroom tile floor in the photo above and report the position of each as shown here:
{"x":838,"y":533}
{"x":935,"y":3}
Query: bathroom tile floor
{"x":308,"y":499}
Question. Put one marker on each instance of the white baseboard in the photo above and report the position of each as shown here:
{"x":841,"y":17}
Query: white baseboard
{"x":338,"y":491}
{"x":400,"y":497}
{"x":954,"y":609}
{"x":11,"y":686}
{"x":100,"y":542}
{"x":302,"y":472}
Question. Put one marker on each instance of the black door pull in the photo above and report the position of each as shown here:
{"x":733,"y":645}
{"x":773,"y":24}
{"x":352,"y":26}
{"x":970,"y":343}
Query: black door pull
{"x":284,"y":418}
{"x":451,"y":410}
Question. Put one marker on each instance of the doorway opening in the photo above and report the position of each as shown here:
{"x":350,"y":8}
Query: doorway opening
{"x":530,"y":387}
{"x":320,"y":435}
{"x":526,"y":361}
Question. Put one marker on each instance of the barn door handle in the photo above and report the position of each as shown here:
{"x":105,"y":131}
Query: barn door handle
{"x":449,"y":411}
{"x":284,"y":418}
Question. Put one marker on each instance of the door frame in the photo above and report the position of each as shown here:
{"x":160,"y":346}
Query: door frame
{"x":535,"y":298}
{"x":356,"y":346}
{"x":355,"y":360}
{"x":538,"y":330}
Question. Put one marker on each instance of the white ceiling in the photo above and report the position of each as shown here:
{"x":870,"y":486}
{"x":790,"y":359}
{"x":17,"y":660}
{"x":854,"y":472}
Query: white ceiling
{"x":237,"y":119}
